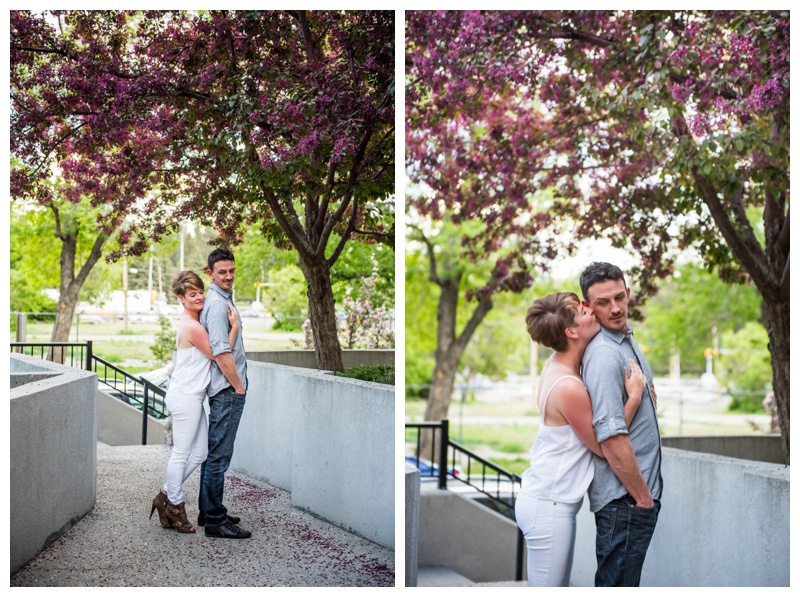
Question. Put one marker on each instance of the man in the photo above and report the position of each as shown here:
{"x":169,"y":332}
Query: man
{"x":626,"y":489}
{"x":226,"y":397}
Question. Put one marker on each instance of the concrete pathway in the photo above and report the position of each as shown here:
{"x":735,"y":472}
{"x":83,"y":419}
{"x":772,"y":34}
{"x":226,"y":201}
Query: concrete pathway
{"x":116,"y":545}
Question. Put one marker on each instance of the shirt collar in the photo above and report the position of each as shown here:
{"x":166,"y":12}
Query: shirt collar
{"x":618,"y":337}
{"x":213,"y":286}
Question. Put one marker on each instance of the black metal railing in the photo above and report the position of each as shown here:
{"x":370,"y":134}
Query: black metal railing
{"x":136,"y":391}
{"x":73,"y":354}
{"x":128,"y":388}
{"x":459,"y":463}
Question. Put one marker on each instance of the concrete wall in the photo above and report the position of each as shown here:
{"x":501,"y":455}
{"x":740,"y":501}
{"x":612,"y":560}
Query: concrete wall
{"x":762,"y":447}
{"x":457,"y":532}
{"x":307,"y":360}
{"x":120,"y":424}
{"x":329,"y":440}
{"x":53,"y":457}
{"x":723,"y":522}
{"x":412,"y":523}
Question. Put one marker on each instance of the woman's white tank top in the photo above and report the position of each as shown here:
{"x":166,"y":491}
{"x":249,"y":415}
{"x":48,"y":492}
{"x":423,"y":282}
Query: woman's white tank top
{"x":192,"y":371}
{"x":561,"y":464}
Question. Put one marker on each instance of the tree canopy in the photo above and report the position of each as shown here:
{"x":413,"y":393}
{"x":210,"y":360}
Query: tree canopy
{"x":655,"y":128}
{"x":224,"y":117}
{"x":659,"y":130}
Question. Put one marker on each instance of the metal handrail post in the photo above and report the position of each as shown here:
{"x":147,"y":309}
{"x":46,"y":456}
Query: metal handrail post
{"x":88,"y":355}
{"x":144,"y":411}
{"x":444,"y":442}
{"x":520,"y":552}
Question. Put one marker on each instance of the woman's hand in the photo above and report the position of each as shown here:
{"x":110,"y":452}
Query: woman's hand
{"x":233,"y":318}
{"x":635,"y":382}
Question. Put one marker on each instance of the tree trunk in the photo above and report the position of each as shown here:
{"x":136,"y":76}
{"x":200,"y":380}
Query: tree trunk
{"x":777,"y":315}
{"x":69,"y":284}
{"x":449,"y":350}
{"x":322,"y":312}
{"x":768,"y":266}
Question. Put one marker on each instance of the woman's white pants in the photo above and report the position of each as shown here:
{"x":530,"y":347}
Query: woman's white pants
{"x":549,"y":530}
{"x":189,"y":441}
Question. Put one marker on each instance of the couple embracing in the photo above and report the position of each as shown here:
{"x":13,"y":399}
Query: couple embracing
{"x":598,"y":432}
{"x":210,"y":363}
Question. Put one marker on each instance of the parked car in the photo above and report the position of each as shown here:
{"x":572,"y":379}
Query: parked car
{"x":428,"y":469}
{"x":159,"y":377}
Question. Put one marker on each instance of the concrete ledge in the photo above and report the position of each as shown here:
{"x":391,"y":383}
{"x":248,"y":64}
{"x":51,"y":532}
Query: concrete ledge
{"x":120,"y":424}
{"x":458,"y":533}
{"x":412,"y":523}
{"x":307,"y":360}
{"x":20,"y":379}
{"x":52,"y":455}
{"x":329,"y":440}
{"x":763,"y":448}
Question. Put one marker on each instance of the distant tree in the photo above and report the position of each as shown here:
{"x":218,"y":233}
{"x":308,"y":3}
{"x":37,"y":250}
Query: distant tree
{"x":655,"y":129}
{"x":367,"y":323}
{"x":228,"y":117}
{"x":682,"y":317}
{"x":62,"y":232}
{"x":421,"y":297}
{"x":744,"y":366}
{"x":286,"y":299}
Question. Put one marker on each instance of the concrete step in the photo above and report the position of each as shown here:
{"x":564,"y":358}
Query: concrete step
{"x":441,"y":577}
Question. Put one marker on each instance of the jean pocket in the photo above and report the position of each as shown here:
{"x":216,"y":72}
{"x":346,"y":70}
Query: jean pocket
{"x":525,"y":512}
{"x":606,"y":521}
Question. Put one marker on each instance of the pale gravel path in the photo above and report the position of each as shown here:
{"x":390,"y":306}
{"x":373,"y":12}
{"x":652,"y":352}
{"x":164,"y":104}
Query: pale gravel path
{"x":116,"y":544}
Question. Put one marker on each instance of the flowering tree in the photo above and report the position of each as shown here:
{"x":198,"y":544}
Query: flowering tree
{"x":286,"y":118}
{"x":659,"y":130}
{"x":366,"y":325}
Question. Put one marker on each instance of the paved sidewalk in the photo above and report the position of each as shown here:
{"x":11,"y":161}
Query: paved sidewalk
{"x":117,"y":545}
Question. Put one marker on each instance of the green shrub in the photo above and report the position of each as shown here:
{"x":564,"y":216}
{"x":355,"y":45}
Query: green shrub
{"x":378,"y":374}
{"x":288,"y":324}
{"x":746,"y":367}
{"x":165,"y":341}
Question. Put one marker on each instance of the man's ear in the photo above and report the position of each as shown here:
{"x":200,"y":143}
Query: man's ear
{"x":585,"y":303}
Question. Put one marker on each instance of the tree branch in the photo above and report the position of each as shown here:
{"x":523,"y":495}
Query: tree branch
{"x":351,"y":182}
{"x":433,"y":274}
{"x":351,"y":225}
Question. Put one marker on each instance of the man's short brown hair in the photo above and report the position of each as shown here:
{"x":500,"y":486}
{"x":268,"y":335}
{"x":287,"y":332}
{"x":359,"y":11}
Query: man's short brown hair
{"x":550,"y":316}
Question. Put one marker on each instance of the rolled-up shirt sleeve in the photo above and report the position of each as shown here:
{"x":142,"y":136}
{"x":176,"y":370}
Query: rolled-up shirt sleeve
{"x":218,"y":327}
{"x":604,"y":378}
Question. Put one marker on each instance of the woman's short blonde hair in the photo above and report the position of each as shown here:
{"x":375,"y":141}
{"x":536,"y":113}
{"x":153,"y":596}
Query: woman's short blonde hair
{"x":186,"y":280}
{"x":549,"y":317}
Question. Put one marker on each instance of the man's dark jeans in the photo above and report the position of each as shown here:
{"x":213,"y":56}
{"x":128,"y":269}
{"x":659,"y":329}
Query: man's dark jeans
{"x":225,"y":411}
{"x":623,"y":536}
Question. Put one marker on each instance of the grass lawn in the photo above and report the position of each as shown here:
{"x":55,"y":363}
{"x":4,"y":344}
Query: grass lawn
{"x":130,"y":349}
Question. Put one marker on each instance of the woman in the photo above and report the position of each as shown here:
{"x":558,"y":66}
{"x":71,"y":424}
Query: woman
{"x":561,"y":459}
{"x":185,"y":395}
